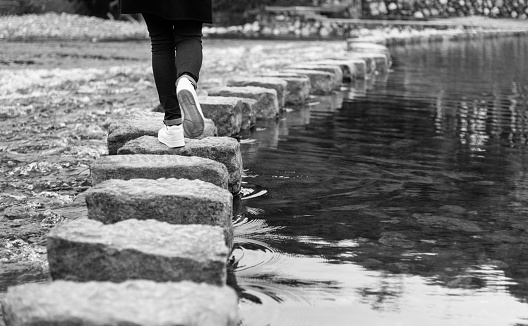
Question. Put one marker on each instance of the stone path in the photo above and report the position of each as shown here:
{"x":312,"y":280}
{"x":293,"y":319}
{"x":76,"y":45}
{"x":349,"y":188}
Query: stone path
{"x":155,"y":247}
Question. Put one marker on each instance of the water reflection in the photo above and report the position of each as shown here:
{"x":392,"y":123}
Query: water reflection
{"x":406,"y":206}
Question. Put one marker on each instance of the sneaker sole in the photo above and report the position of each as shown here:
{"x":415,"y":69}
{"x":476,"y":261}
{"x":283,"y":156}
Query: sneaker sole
{"x":193,"y":123}
{"x":171,"y":143}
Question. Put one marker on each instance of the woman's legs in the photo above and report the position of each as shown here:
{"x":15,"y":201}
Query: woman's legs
{"x":167,"y":36}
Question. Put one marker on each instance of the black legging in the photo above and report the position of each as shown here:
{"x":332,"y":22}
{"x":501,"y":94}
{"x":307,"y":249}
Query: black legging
{"x":167,"y":36}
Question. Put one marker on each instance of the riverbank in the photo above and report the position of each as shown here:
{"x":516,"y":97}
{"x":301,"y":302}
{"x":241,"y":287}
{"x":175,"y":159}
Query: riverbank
{"x":57,"y":27}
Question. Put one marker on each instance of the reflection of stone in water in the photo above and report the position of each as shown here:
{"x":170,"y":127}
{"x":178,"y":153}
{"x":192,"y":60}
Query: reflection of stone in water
{"x":298,"y":118}
{"x":328,"y":103}
{"x":267,"y":133}
{"x":358,"y":88}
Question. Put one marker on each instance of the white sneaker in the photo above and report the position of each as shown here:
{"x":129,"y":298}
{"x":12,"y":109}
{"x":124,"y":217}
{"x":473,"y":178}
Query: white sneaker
{"x":193,"y":123}
{"x":171,"y":136}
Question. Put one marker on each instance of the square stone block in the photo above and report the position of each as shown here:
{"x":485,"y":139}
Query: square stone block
{"x":144,"y":166}
{"x":267,"y":105}
{"x":225,"y":150}
{"x":128,"y":128}
{"x":175,"y":201}
{"x":86,"y":250}
{"x":139,"y":303}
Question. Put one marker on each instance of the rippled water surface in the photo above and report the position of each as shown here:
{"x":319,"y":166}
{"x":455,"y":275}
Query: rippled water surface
{"x":402,"y":200}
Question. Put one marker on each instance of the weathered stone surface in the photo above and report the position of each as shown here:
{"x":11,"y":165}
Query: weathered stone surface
{"x":139,"y":303}
{"x":175,"y":201}
{"x":86,"y":250}
{"x":333,"y":69}
{"x":381,"y":40}
{"x":297,"y":88}
{"x":321,"y":82}
{"x":128,"y":167}
{"x":249,"y":118}
{"x":225,"y":150}
{"x":352,"y":68}
{"x":128,"y":128}
{"x":279,"y":85}
{"x":382,"y":61}
{"x":267,"y":105}
{"x":369,"y":61}
{"x":225,"y":112}
{"x":366,"y":47}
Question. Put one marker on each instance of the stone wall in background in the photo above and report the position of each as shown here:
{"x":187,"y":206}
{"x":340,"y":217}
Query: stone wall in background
{"x":420,"y":9}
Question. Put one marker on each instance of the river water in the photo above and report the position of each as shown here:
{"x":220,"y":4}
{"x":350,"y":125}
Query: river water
{"x":401,"y":200}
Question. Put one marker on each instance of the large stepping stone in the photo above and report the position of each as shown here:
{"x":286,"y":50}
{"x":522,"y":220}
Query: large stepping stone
{"x":279,"y":85}
{"x":381,"y":40}
{"x":138,"y":303}
{"x":267,"y":106}
{"x":352,"y":68}
{"x":333,"y":69}
{"x":370,"y":48}
{"x":86,"y":250}
{"x":321,"y":82}
{"x":128,"y":128}
{"x":226,"y":113}
{"x":370,"y":63}
{"x":297,"y":88}
{"x":128,"y":167}
{"x":175,"y":201}
{"x":225,"y":150}
{"x":381,"y":62}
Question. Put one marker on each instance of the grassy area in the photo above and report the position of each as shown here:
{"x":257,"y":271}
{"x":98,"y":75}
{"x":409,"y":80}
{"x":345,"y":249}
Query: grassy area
{"x":68,"y":27}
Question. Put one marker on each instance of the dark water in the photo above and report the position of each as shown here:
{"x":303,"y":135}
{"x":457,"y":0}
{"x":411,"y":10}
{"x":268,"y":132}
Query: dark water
{"x":402,"y":200}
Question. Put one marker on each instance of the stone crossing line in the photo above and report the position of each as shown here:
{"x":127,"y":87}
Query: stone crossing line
{"x":155,"y":247}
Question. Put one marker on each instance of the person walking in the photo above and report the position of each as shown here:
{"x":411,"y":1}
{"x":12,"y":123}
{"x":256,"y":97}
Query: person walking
{"x":175,"y":26}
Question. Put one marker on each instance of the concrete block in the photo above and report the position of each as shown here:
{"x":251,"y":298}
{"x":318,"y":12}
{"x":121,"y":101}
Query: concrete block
{"x":86,"y":250}
{"x":380,"y":61}
{"x":279,"y":85}
{"x":224,"y":150}
{"x":352,"y":68}
{"x":381,"y":40}
{"x":333,"y":69}
{"x":175,"y":201}
{"x":139,"y":303}
{"x":249,"y":117}
{"x":297,"y":89}
{"x":321,"y":82}
{"x":128,"y":167}
{"x":128,"y":128}
{"x":267,"y":106}
{"x":226,"y":112}
{"x":370,"y":48}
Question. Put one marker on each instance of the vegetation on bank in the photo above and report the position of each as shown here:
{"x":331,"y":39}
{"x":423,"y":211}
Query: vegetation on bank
{"x":67,"y":26}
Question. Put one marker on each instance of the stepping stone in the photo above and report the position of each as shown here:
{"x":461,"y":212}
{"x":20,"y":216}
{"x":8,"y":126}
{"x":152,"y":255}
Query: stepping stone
{"x":297,"y":88}
{"x":139,"y":303}
{"x":381,"y":40}
{"x":267,"y":106}
{"x":224,"y":150}
{"x":333,"y":69}
{"x":352,"y":68}
{"x":369,"y":61}
{"x":175,"y":201}
{"x":226,"y":112}
{"x":321,"y":82}
{"x":86,"y":250}
{"x":381,"y":62}
{"x":249,"y":118}
{"x":366,"y":47}
{"x":128,"y":128}
{"x":128,"y":167}
{"x":279,"y":85}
